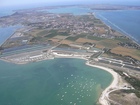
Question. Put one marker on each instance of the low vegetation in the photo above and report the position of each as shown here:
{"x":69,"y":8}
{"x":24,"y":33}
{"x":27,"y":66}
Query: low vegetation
{"x":133,"y":81}
{"x":95,"y":38}
{"x":42,"y":33}
{"x":134,"y":53}
{"x":74,"y":38}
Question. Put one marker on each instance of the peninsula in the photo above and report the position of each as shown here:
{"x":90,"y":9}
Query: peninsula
{"x":46,"y":35}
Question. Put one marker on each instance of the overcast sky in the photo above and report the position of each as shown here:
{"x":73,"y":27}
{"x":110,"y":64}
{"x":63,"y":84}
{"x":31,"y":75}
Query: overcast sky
{"x":25,"y":2}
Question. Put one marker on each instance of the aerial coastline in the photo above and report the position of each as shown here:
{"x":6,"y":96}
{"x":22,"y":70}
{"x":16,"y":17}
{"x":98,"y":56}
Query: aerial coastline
{"x":57,"y":35}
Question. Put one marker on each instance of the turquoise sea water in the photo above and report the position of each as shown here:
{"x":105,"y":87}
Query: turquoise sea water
{"x":51,"y":82}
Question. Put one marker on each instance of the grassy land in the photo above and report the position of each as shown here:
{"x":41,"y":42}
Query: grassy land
{"x":108,"y":43}
{"x":38,"y":32}
{"x":127,"y":52}
{"x":43,"y":32}
{"x":133,"y":81}
{"x":95,"y":38}
{"x":53,"y":33}
{"x":86,"y":18}
{"x":123,"y":39}
{"x":63,"y":33}
{"x":74,"y":38}
{"x":40,"y":35}
{"x":38,"y":39}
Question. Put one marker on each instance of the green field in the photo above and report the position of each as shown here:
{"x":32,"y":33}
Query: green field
{"x":123,"y":39}
{"x":44,"y":32}
{"x":74,"y":38}
{"x":95,"y":38}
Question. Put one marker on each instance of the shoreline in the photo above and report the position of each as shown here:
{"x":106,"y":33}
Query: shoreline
{"x":104,"y":98}
{"x":118,"y":29}
{"x":16,"y":28}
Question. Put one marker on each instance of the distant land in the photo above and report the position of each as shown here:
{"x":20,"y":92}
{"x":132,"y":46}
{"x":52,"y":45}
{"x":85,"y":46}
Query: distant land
{"x":114,"y":7}
{"x":91,"y":6}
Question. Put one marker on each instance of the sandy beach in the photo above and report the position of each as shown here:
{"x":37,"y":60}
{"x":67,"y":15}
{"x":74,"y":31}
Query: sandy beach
{"x":104,"y":96}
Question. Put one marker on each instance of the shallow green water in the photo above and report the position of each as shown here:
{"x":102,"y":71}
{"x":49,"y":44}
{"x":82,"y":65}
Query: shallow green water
{"x":51,"y":82}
